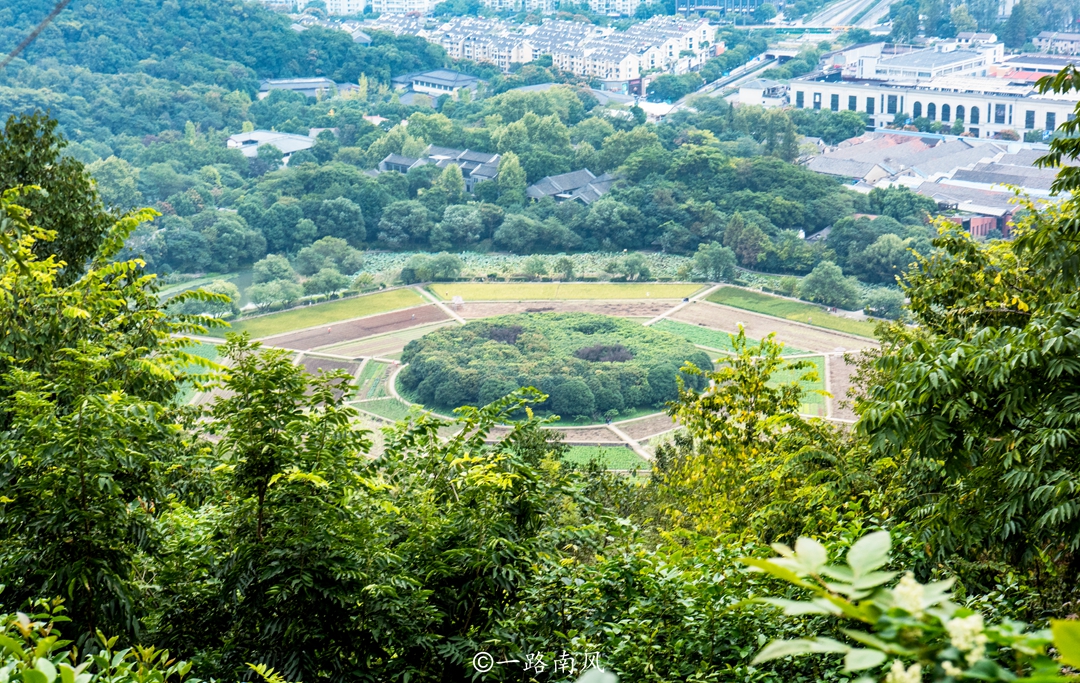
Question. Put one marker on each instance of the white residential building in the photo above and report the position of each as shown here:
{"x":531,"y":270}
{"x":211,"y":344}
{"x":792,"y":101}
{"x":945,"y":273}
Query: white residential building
{"x":403,"y":6}
{"x":625,"y":8}
{"x":345,"y":8}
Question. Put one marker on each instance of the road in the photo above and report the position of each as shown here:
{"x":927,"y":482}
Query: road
{"x":843,"y":12}
{"x":736,"y":76}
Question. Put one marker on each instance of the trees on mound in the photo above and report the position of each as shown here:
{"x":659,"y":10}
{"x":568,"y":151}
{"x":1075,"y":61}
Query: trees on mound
{"x":588,"y":365}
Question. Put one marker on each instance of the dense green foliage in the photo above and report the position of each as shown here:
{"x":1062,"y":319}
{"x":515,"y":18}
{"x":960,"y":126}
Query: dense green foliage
{"x":150,"y":110}
{"x":587,"y":364}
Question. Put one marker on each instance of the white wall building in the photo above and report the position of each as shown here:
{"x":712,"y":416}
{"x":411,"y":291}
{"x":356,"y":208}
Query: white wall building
{"x":345,"y":8}
{"x":402,"y":6}
{"x":986,"y":106}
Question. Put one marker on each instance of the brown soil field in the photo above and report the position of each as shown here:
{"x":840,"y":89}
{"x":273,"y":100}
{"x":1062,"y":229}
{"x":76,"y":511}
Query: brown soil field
{"x":646,"y":426}
{"x":759,"y":326}
{"x":622,"y":309}
{"x":840,"y":377}
{"x":589,"y":435}
{"x":336,"y":333}
{"x":314,"y":364}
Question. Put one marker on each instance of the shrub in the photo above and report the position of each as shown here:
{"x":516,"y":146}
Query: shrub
{"x":603,"y":353}
{"x":587,"y":364}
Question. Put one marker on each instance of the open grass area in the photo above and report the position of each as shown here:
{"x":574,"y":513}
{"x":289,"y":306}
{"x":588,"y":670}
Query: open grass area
{"x":390,"y":408}
{"x":372,"y":381}
{"x":790,"y":310}
{"x":527,"y":291}
{"x":613,"y":457}
{"x":704,"y":336}
{"x":325,"y":313}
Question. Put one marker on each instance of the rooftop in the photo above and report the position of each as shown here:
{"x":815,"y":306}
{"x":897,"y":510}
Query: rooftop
{"x":928,"y":59}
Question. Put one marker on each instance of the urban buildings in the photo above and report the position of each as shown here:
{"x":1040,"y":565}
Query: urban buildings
{"x":1058,"y":43}
{"x":969,"y":87}
{"x":345,"y":8}
{"x":616,"y":58}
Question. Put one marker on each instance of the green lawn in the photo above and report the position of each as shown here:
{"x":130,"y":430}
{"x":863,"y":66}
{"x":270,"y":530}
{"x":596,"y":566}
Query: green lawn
{"x":322,"y":314}
{"x":372,"y":381}
{"x":390,"y":408}
{"x":525,"y":291}
{"x":790,"y":310}
{"x":704,"y":336}
{"x":613,"y":457}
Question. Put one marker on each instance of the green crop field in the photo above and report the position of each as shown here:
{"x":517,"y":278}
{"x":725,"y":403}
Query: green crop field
{"x":526,"y":291}
{"x":372,"y":381}
{"x":203,"y":350}
{"x":812,"y":404}
{"x":613,"y":457}
{"x":325,"y":313}
{"x":704,"y":336}
{"x":390,"y":408}
{"x":790,"y":310}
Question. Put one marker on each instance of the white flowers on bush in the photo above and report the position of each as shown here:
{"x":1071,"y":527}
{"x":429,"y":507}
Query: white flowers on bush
{"x":908,"y":595}
{"x":966,"y":634}
{"x":898,"y":674}
{"x":951,"y":669}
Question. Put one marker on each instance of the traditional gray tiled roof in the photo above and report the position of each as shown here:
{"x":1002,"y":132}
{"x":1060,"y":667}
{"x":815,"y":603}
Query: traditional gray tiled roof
{"x":847,"y":168}
{"x":560,"y":184}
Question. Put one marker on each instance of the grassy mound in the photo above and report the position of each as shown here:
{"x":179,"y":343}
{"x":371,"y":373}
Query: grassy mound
{"x":589,"y":365}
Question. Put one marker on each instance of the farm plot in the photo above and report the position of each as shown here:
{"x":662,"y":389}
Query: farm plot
{"x":527,"y":291}
{"x":588,"y":435}
{"x":331,"y":335}
{"x":791,"y":310}
{"x":647,"y":426}
{"x":645,"y":310}
{"x":611,"y":457}
{"x":372,"y":380}
{"x":325,"y":313}
{"x":202,"y":350}
{"x":386,"y":345}
{"x":813,"y":404}
{"x":389,"y":408}
{"x":759,"y":326}
{"x":841,"y":374}
{"x":704,"y":336}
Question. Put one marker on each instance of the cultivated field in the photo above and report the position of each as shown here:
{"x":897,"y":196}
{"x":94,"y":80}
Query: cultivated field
{"x":384,"y":345}
{"x":643,"y":310}
{"x":759,"y":326}
{"x":791,"y":310}
{"x":611,"y":457}
{"x":527,"y":291}
{"x":710,"y":338}
{"x":339,"y":333}
{"x":324,"y":314}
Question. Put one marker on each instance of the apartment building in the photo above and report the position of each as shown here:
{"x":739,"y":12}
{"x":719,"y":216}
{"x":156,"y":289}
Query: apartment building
{"x":345,"y":8}
{"x":402,"y":6}
{"x":661,"y":43}
{"x":625,"y":8}
{"x":1058,"y":43}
